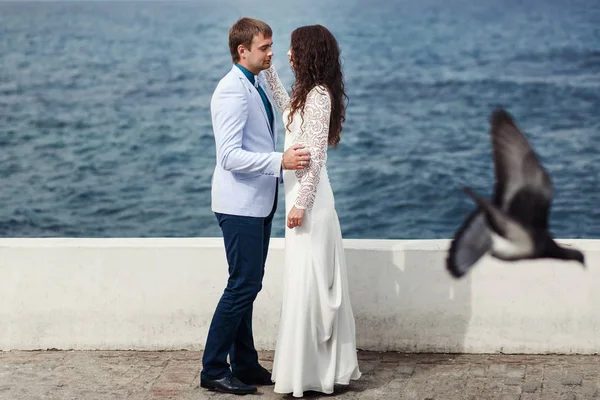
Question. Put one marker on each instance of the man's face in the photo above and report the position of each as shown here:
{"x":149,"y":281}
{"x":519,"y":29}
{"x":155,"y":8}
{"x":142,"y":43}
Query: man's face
{"x":258,"y":57}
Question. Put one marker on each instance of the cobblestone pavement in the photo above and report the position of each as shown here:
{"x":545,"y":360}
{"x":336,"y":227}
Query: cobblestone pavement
{"x":100,"y":375}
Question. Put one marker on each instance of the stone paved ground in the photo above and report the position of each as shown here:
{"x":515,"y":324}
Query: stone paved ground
{"x":100,"y":375}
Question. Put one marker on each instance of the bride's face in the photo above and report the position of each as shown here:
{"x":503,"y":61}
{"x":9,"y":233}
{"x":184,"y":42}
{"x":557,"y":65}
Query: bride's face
{"x":289,"y":54}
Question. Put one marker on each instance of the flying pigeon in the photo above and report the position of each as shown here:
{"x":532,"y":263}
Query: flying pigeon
{"x":514,"y":225}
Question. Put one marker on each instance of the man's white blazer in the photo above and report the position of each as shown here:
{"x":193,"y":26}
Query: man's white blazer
{"x":248,"y":167}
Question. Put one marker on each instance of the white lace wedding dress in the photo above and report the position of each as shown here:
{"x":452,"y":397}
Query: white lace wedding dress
{"x":316,"y":343}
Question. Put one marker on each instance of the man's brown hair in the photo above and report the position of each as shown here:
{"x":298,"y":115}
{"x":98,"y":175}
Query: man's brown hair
{"x":243,"y":31}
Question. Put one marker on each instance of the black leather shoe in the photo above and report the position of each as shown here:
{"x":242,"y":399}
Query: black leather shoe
{"x":229,"y":384}
{"x":258,"y":376}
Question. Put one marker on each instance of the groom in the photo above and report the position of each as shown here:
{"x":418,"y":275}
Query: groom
{"x":244,"y":200}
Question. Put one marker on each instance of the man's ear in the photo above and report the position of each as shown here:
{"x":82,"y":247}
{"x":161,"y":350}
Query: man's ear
{"x":242,"y":51}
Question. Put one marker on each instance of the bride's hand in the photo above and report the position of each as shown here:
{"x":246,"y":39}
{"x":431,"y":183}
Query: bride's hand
{"x":295,"y":217}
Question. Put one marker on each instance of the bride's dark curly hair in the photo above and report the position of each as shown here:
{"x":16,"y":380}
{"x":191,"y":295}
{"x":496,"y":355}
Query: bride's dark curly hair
{"x":316,"y":61}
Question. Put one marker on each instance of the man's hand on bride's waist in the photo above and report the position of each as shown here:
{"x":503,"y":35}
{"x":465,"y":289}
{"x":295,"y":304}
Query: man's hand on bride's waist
{"x":296,"y":157}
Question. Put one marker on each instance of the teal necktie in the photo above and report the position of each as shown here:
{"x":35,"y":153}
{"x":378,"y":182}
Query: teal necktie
{"x":266,"y":102}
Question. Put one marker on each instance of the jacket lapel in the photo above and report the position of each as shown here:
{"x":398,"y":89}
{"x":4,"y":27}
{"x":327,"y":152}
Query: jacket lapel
{"x":256,"y":96}
{"x":262,"y":106}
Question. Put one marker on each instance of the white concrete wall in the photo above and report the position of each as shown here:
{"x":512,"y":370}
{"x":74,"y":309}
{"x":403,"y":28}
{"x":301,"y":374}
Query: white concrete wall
{"x":160,"y":294}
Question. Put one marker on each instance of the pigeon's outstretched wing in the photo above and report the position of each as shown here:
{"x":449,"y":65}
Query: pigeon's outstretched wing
{"x":516,"y":164}
{"x":470,"y":243}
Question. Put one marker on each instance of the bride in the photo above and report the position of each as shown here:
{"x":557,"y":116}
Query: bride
{"x":316,"y":343}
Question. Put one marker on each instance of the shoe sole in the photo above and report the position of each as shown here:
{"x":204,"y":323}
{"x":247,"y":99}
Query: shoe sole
{"x":216,"y":389}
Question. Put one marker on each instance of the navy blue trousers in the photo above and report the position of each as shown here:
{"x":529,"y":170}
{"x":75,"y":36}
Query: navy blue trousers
{"x":246,"y":244}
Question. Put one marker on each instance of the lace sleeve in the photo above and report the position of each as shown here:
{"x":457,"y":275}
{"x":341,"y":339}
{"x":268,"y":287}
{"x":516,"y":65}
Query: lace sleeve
{"x":315,"y":134}
{"x":278,"y":93}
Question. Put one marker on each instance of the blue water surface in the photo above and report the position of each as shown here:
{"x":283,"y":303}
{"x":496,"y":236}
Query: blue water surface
{"x":105,"y":122}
